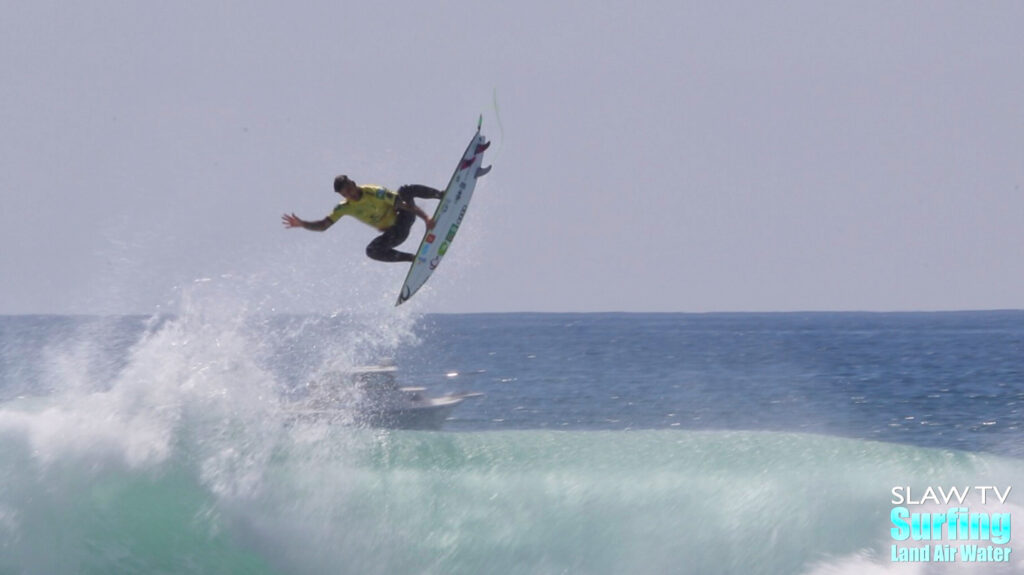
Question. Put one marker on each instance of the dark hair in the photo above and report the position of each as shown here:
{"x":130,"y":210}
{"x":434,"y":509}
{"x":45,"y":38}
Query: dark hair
{"x":340,"y":182}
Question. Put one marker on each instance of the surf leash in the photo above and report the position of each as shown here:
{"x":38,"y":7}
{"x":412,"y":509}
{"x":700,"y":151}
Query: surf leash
{"x":501,"y":128}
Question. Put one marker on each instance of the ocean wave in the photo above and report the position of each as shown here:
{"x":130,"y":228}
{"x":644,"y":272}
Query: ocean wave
{"x":319,"y":499}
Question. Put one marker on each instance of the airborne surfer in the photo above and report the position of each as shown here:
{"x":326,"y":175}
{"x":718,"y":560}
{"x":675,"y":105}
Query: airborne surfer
{"x":390,"y":212}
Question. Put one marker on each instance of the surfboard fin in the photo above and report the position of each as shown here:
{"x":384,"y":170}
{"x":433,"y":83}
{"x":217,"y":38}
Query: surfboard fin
{"x":482,"y":171}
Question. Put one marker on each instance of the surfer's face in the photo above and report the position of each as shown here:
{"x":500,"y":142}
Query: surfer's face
{"x":350,"y":191}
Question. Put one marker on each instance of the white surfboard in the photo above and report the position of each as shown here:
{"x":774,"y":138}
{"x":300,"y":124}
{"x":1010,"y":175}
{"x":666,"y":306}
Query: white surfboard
{"x":448,"y":216}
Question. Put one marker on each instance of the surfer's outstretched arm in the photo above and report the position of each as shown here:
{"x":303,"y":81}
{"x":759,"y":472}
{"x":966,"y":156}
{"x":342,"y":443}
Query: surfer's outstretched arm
{"x":293,"y":221}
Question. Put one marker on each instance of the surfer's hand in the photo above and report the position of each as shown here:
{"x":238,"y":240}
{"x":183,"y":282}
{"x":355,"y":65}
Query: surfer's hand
{"x":291,"y":221}
{"x":430,"y":223}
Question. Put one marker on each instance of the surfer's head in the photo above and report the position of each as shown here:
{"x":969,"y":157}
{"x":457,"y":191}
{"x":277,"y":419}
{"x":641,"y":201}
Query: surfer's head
{"x":346,"y":187}
{"x":341,"y":182}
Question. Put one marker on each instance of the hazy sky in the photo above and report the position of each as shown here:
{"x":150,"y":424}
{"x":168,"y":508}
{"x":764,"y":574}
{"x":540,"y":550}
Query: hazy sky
{"x":664,"y":156}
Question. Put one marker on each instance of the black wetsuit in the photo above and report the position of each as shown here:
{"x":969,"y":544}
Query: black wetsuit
{"x":383,"y":247}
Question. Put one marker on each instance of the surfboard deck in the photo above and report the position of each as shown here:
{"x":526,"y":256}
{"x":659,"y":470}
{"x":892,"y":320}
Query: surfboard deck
{"x":448,"y":216}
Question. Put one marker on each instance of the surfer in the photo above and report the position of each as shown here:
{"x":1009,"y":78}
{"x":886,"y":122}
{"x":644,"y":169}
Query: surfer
{"x":391,"y":213}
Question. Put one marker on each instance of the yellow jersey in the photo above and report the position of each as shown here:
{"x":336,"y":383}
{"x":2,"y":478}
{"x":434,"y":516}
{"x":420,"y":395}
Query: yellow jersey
{"x":375,"y":208}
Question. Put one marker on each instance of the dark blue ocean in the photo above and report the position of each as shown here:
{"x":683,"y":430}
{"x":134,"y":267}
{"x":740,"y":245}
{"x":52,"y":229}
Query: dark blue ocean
{"x":603,"y":443}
